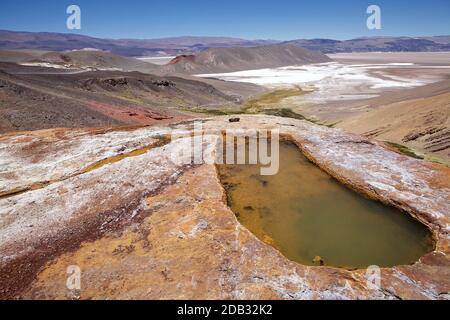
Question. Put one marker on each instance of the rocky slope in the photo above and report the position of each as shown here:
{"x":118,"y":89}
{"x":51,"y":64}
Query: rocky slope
{"x":237,"y":59}
{"x":421,"y":124}
{"x":141,"y":226}
{"x":82,"y":59}
{"x":33,"y":99}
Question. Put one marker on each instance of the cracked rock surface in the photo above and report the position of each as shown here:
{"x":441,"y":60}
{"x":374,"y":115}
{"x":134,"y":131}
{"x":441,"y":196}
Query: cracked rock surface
{"x":148,"y":227}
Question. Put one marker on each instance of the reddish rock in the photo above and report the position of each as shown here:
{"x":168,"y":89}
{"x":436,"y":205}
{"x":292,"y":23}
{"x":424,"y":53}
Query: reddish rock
{"x":183,"y":57}
{"x":145,"y":227}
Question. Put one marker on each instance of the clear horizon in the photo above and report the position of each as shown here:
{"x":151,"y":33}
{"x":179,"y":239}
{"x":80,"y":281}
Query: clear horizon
{"x":223,"y":36}
{"x":281,"y":20}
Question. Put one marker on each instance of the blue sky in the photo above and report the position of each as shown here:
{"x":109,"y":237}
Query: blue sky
{"x":251,"y":19}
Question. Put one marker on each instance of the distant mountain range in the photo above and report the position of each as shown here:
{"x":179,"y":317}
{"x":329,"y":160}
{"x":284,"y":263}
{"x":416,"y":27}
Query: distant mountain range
{"x":185,"y":45}
{"x":383,"y":44}
{"x":125,"y":47}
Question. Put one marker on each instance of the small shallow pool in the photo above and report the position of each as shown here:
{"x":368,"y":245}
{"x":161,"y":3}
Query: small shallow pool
{"x":314,"y":220}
